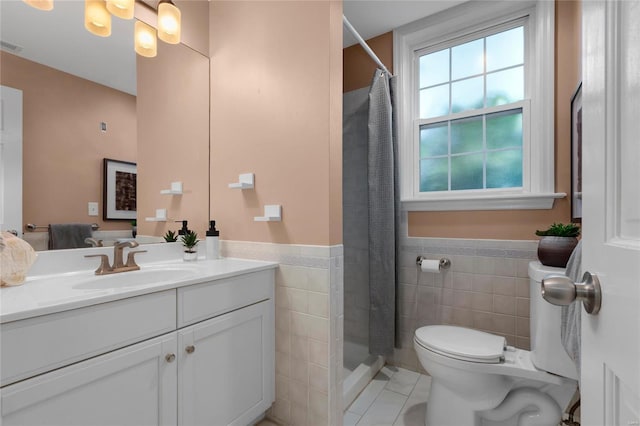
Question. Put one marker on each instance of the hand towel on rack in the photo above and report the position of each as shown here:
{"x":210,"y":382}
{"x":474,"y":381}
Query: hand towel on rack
{"x":570,"y":315}
{"x":68,"y":235}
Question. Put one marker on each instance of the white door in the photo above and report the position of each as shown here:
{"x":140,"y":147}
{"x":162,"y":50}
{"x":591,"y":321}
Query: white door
{"x":133,"y":386}
{"x":10,"y":159}
{"x":611,"y":211}
{"x":226,"y":368}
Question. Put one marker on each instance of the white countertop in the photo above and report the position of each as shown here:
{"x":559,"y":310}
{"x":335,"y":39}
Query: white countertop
{"x":47,"y":294}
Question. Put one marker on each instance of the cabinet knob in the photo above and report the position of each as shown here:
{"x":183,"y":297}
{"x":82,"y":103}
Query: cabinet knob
{"x":190,"y":349}
{"x":170,"y":357}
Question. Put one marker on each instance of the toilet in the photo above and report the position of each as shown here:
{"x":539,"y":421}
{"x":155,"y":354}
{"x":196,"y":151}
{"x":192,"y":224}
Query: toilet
{"x":477,"y":380}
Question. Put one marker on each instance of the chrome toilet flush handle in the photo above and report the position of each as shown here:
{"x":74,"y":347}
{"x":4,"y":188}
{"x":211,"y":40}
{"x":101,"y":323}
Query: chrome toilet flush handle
{"x":561,"y":290}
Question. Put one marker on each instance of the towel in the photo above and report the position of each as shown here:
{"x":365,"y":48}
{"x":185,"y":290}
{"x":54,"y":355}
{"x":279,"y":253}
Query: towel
{"x":570,"y":315}
{"x":68,"y":235}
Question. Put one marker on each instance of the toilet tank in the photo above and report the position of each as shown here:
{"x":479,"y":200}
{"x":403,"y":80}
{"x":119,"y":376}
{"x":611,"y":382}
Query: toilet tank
{"x":547,"y":352}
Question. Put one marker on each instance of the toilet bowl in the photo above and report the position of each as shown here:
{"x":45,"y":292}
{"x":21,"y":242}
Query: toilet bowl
{"x":477,"y":380}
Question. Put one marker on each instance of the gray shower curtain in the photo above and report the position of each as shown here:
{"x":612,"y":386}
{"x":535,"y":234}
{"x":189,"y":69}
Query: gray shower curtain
{"x":384,"y":214}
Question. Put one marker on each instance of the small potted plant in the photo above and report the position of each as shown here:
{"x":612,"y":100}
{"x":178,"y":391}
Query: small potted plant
{"x":190,"y":240}
{"x":134,"y":228}
{"x":170,"y":237}
{"x":557,"y":244}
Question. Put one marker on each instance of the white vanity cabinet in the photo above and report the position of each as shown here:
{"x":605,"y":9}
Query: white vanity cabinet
{"x":133,"y":386}
{"x":204,"y":355}
{"x":226,"y":363}
{"x":226,"y":368}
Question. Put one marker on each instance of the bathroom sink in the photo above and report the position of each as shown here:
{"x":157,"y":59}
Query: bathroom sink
{"x":145,"y":276}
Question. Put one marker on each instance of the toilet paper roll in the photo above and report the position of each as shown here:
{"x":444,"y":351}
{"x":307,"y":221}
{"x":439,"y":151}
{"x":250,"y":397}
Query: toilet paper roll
{"x":430,"y":266}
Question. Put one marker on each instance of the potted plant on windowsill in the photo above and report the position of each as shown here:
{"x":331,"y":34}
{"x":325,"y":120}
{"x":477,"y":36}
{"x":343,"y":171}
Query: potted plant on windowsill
{"x":190,"y":240}
{"x":557,"y":244}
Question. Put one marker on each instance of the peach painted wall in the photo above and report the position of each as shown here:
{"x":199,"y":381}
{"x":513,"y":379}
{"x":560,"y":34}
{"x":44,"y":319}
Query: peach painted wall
{"x":358,"y":65}
{"x":276,"y":111}
{"x":173,"y":137}
{"x":503,"y":224}
{"x":335,"y":124}
{"x":63,"y":145}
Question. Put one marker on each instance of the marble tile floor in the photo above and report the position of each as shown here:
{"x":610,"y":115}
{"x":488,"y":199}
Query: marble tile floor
{"x":395,"y":397}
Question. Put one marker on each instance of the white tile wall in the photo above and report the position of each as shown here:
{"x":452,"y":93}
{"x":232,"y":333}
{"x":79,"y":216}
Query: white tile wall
{"x":309,"y":317}
{"x":486,"y":288}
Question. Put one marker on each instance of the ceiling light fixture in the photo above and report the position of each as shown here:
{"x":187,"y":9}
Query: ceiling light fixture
{"x":121,"y":8}
{"x":97,"y":19}
{"x":40,"y":4}
{"x":169,"y":26}
{"x":146,"y":43}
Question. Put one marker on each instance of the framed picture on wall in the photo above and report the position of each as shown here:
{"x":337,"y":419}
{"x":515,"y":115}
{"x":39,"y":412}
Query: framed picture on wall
{"x":119,"y":190}
{"x":576,"y":155}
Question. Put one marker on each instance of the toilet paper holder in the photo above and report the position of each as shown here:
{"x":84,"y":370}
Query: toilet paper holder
{"x":444,"y":262}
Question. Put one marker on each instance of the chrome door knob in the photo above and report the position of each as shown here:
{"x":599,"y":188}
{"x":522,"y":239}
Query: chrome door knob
{"x":190,"y":349}
{"x":170,"y":357}
{"x":560,"y":290}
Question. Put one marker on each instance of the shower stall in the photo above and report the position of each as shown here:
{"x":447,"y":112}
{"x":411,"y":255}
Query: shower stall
{"x":359,"y":365}
{"x":370,"y":223}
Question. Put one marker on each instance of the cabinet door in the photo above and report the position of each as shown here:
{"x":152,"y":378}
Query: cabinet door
{"x":133,"y":386}
{"x":226,"y":368}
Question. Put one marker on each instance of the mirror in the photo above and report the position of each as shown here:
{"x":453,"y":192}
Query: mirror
{"x":80,"y":106}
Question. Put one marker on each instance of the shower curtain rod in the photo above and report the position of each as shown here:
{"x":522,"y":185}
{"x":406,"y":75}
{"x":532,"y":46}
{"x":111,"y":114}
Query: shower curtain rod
{"x":364,"y":45}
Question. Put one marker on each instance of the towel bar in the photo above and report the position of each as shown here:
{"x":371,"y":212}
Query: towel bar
{"x":31,"y":227}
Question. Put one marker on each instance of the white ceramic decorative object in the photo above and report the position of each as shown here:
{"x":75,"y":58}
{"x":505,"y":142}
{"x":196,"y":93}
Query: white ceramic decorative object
{"x":272,"y":213}
{"x":245,"y":181}
{"x":16,"y":257}
{"x":190,"y":256}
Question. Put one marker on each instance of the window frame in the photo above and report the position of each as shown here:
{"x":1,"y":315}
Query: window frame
{"x":455,"y":26}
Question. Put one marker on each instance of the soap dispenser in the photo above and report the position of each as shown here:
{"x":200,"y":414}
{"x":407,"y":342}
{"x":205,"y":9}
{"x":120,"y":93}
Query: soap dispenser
{"x":184,"y":230}
{"x":212,"y":242}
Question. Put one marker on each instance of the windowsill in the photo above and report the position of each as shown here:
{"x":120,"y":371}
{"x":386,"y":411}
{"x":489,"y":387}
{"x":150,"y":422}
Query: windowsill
{"x":526,"y":201}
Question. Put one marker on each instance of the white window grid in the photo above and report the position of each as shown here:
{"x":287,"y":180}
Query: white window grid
{"x":478,"y":112}
{"x":520,"y":105}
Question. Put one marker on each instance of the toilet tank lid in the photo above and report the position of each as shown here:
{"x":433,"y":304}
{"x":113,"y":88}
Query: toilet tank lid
{"x":537,"y":271}
{"x":462,"y":343}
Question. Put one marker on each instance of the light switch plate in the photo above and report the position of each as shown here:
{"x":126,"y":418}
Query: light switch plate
{"x":93,"y":209}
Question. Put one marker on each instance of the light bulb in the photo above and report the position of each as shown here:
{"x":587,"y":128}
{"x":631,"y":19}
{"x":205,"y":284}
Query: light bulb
{"x":97,"y":19}
{"x":146,"y":43}
{"x":169,"y":23}
{"x":40,"y":4}
{"x":121,"y":8}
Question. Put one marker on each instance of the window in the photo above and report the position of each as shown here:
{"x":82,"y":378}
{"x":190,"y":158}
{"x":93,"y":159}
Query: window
{"x":467,"y":103}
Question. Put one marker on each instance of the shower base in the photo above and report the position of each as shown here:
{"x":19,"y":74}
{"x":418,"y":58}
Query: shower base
{"x":359,"y":367}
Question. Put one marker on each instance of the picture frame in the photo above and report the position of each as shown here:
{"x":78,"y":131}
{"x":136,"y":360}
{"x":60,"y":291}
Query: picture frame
{"x":576,"y":155}
{"x":119,"y":190}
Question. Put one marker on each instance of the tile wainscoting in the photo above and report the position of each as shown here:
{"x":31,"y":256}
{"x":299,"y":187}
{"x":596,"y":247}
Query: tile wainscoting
{"x":486,"y":288}
{"x":309,"y":329}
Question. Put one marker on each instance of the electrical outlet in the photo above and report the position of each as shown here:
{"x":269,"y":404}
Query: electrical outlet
{"x":93,"y":209}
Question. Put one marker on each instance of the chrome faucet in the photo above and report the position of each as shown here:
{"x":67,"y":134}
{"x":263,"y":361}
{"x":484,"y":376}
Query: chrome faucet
{"x":93,"y":241}
{"x":118,"y":248}
{"x":118,"y":259}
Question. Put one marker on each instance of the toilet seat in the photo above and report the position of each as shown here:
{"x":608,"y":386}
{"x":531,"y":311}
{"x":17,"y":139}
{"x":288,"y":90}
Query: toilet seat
{"x":511,"y":362}
{"x":462,"y":343}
